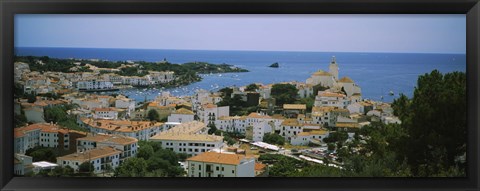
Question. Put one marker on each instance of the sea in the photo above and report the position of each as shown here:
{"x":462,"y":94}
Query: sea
{"x":377,"y":74}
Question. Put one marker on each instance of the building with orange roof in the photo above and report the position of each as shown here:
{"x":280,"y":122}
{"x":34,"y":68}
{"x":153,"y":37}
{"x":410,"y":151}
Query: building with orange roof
{"x":213,"y":164}
{"x":106,"y":113}
{"x":141,"y":130}
{"x":290,"y":128}
{"x":190,"y":138}
{"x":306,"y":137}
{"x":99,"y":157}
{"x":128,"y":145}
{"x":45,"y":135}
{"x":325,"y":98}
{"x":209,"y":113}
{"x":261,"y":170}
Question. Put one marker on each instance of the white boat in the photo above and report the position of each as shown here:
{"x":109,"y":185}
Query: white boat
{"x":391,"y":93}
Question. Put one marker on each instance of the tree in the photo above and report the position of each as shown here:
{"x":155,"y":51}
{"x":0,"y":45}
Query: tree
{"x":153,"y":115}
{"x":31,"y":98}
{"x":251,"y":87}
{"x":132,"y":167}
{"x":86,"y":167}
{"x":435,"y":119}
{"x":42,"y":154}
{"x":55,"y":114}
{"x":145,"y":151}
{"x":273,"y":138}
{"x":212,"y":129}
{"x":284,"y":93}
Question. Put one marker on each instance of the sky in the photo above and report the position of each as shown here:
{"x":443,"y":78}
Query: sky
{"x":318,"y":33}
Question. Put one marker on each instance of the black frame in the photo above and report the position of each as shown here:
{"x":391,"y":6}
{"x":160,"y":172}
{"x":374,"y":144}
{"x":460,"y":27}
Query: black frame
{"x":10,"y":7}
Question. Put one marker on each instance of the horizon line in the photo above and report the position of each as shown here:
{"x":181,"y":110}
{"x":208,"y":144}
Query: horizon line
{"x":312,"y":51}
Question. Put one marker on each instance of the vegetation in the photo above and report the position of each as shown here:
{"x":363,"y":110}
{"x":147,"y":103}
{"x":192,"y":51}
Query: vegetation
{"x":58,"y":114}
{"x":42,"y":154}
{"x":284,"y":93}
{"x":273,"y":138}
{"x":429,"y":142}
{"x":151,"y":161}
{"x":251,"y":87}
{"x":153,"y":115}
{"x":185,"y":73}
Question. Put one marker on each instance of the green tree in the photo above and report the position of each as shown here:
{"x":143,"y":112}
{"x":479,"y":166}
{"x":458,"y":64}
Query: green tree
{"x":212,"y":129}
{"x":251,"y":87}
{"x":86,"y":168}
{"x":42,"y":154}
{"x":273,"y":138}
{"x":31,"y":98}
{"x":284,"y":93}
{"x":145,"y":151}
{"x":132,"y":167}
{"x":436,"y":122}
{"x":153,"y":115}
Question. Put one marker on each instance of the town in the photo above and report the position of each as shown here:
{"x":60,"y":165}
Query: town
{"x":64,"y":127}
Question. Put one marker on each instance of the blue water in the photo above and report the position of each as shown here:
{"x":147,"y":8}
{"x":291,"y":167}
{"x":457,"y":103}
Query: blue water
{"x":376,"y":73}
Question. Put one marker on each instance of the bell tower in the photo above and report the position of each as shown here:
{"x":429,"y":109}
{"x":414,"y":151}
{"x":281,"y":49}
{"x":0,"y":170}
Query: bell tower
{"x":333,"y":68}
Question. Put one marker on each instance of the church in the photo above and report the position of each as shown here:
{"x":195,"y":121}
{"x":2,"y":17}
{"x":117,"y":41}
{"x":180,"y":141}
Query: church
{"x":331,"y":80}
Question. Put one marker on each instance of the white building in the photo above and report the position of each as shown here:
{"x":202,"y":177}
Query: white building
{"x":181,"y":115}
{"x":290,"y":128}
{"x":94,"y":85}
{"x":127,"y":145}
{"x":325,"y":98}
{"x":22,"y":164}
{"x":260,"y":129}
{"x":304,"y":138}
{"x":190,"y":138}
{"x":122,"y":102}
{"x":209,"y":113}
{"x":213,"y":164}
{"x":141,"y":130}
{"x":105,"y":113}
{"x":349,"y":86}
{"x":26,"y":138}
{"x":99,"y":157}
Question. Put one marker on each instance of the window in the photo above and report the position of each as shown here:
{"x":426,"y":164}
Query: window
{"x":218,"y":168}
{"x":233,"y":171}
{"x":199,"y":167}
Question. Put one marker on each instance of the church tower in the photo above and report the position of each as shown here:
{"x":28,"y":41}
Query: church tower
{"x":333,"y":68}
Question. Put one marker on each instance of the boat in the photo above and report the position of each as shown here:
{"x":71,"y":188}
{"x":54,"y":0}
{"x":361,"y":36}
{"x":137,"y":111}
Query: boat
{"x":391,"y":93}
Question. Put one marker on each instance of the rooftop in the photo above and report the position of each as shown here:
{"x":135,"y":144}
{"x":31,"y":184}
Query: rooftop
{"x":321,"y":73}
{"x":219,"y":158}
{"x":104,"y":138}
{"x":314,"y":132}
{"x":187,"y":137}
{"x":291,"y":122}
{"x":345,"y":80}
{"x":295,"y":106}
{"x":91,"y":154}
{"x":121,"y":125}
{"x":184,"y":111}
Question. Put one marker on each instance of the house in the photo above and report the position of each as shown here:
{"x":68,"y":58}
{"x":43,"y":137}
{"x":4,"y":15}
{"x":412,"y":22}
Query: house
{"x":106,"y":113}
{"x":22,"y":164}
{"x":213,"y":164}
{"x":141,"y":130}
{"x":304,"y":138}
{"x":128,"y":145}
{"x":181,"y":115}
{"x":260,"y":129}
{"x":325,"y":98}
{"x":292,"y":110}
{"x":26,"y":138}
{"x":190,"y":138}
{"x":290,"y":128}
{"x":99,"y":157}
{"x":349,"y":86}
{"x":123,"y":102}
{"x":209,"y":113}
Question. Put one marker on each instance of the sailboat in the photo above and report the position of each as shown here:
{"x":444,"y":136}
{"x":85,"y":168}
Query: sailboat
{"x":391,"y":93}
